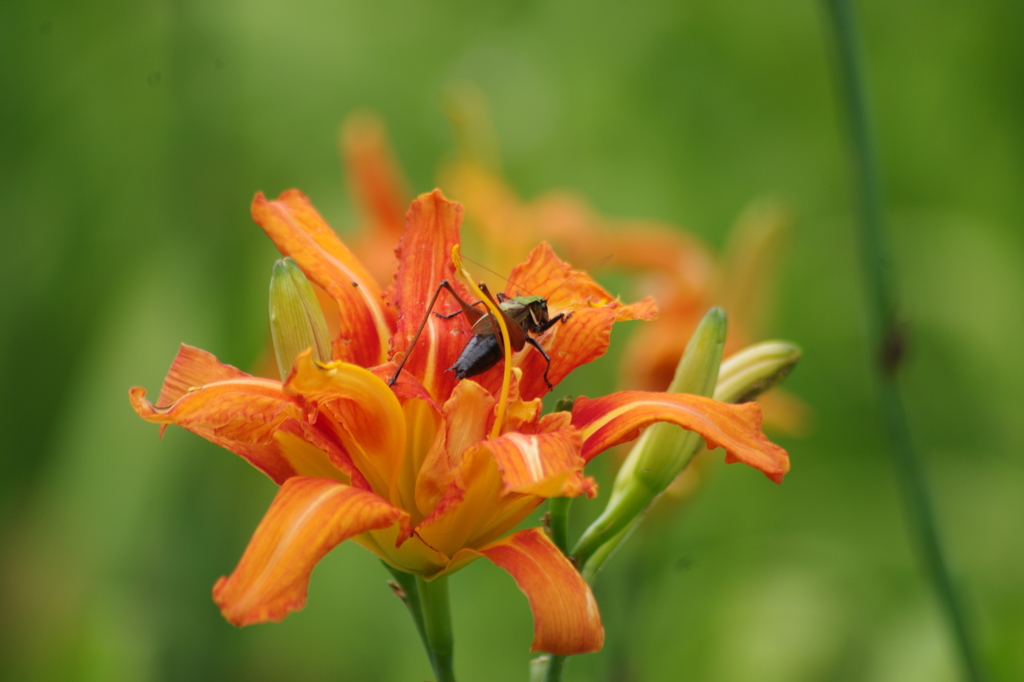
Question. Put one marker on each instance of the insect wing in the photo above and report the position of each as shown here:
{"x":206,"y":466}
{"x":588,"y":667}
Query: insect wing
{"x":487,"y":325}
{"x":473,"y":315}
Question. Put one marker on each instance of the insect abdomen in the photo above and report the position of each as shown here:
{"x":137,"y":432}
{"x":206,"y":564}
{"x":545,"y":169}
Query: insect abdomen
{"x":481,"y":353}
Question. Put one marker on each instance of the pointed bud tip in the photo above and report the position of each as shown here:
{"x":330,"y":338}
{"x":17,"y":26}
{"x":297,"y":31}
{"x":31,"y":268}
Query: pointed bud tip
{"x":715,"y":316}
{"x":755,"y":369}
{"x":698,"y":367}
{"x":296,"y":320}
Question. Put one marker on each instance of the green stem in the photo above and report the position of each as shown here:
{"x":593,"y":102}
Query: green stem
{"x":558,"y":521}
{"x":885,"y":333}
{"x":619,"y":513}
{"x":595,"y":562}
{"x":411,"y":598}
{"x":594,"y":544}
{"x":437,"y":620}
{"x":555,"y":668}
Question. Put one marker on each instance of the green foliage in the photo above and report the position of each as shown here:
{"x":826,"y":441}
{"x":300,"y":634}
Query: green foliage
{"x":134,"y":136}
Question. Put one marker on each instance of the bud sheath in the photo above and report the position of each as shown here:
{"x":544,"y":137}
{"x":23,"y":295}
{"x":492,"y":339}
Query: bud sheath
{"x":296,"y":320}
{"x":662,"y":451}
{"x":754,"y":370}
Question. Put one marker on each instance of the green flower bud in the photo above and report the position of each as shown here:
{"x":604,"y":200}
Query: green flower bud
{"x":665,"y":449}
{"x":754,"y":370}
{"x":662,"y":451}
{"x":564,"y":404}
{"x":296,"y":320}
{"x":741,"y":378}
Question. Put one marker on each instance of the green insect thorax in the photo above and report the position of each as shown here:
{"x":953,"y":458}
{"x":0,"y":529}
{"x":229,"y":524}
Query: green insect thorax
{"x":522,"y":302}
{"x":527,"y":311}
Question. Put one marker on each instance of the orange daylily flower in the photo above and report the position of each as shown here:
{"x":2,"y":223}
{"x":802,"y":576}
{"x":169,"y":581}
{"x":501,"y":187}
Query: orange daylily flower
{"x":424,"y":473}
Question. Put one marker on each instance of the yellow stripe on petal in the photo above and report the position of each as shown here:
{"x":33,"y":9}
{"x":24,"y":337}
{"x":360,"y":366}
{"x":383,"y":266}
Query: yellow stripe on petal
{"x":308,"y":518}
{"x":619,"y":417}
{"x":565,"y":616}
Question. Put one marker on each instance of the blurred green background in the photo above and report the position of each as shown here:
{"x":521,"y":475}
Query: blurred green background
{"x":134,"y":134}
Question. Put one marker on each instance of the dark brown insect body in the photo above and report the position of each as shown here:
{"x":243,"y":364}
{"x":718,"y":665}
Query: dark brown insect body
{"x":524,"y":315}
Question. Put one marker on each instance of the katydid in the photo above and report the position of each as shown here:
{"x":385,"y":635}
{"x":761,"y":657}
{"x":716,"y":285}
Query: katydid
{"x":524,"y":315}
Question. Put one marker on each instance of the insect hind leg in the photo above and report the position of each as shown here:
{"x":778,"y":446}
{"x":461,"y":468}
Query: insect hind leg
{"x":470,"y":311}
{"x":450,"y":315}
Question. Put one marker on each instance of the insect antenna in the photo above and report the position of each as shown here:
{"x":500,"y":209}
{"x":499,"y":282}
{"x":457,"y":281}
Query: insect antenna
{"x":580,"y":272}
{"x":564,"y":282}
{"x":484,"y":267}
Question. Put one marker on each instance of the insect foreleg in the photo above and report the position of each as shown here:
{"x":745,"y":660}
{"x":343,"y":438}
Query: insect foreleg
{"x":540,"y":329}
{"x":560,"y":317}
{"x":533,"y":342}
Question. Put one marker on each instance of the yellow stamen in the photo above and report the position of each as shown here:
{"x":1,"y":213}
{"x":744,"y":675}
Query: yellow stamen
{"x":506,"y":376}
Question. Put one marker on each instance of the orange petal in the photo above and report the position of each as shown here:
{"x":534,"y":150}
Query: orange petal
{"x":424,"y":256}
{"x":470,"y":507}
{"x":360,"y":411}
{"x":547,"y":464}
{"x":565,"y":616}
{"x":308,"y":518}
{"x":374,"y":174}
{"x":617,"y":418}
{"x":570,"y":223}
{"x":241,"y":415}
{"x":299,"y":231}
{"x":460,"y":488}
{"x":406,"y":387}
{"x":193,"y":367}
{"x":584,"y":336}
{"x":499,"y":482}
{"x":467,"y":416}
{"x":545,"y":274}
{"x":380,"y":190}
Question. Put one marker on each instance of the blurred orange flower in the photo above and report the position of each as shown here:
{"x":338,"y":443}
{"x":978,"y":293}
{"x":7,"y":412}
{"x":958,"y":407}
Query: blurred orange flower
{"x":409,"y":471}
{"x":683,"y":274}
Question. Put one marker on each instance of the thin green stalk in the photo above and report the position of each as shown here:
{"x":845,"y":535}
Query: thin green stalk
{"x":885,"y":333}
{"x":595,"y":562}
{"x":410,"y":596}
{"x":558,"y":521}
{"x":555,"y":668}
{"x":437,"y":621}
{"x":628,"y":505}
